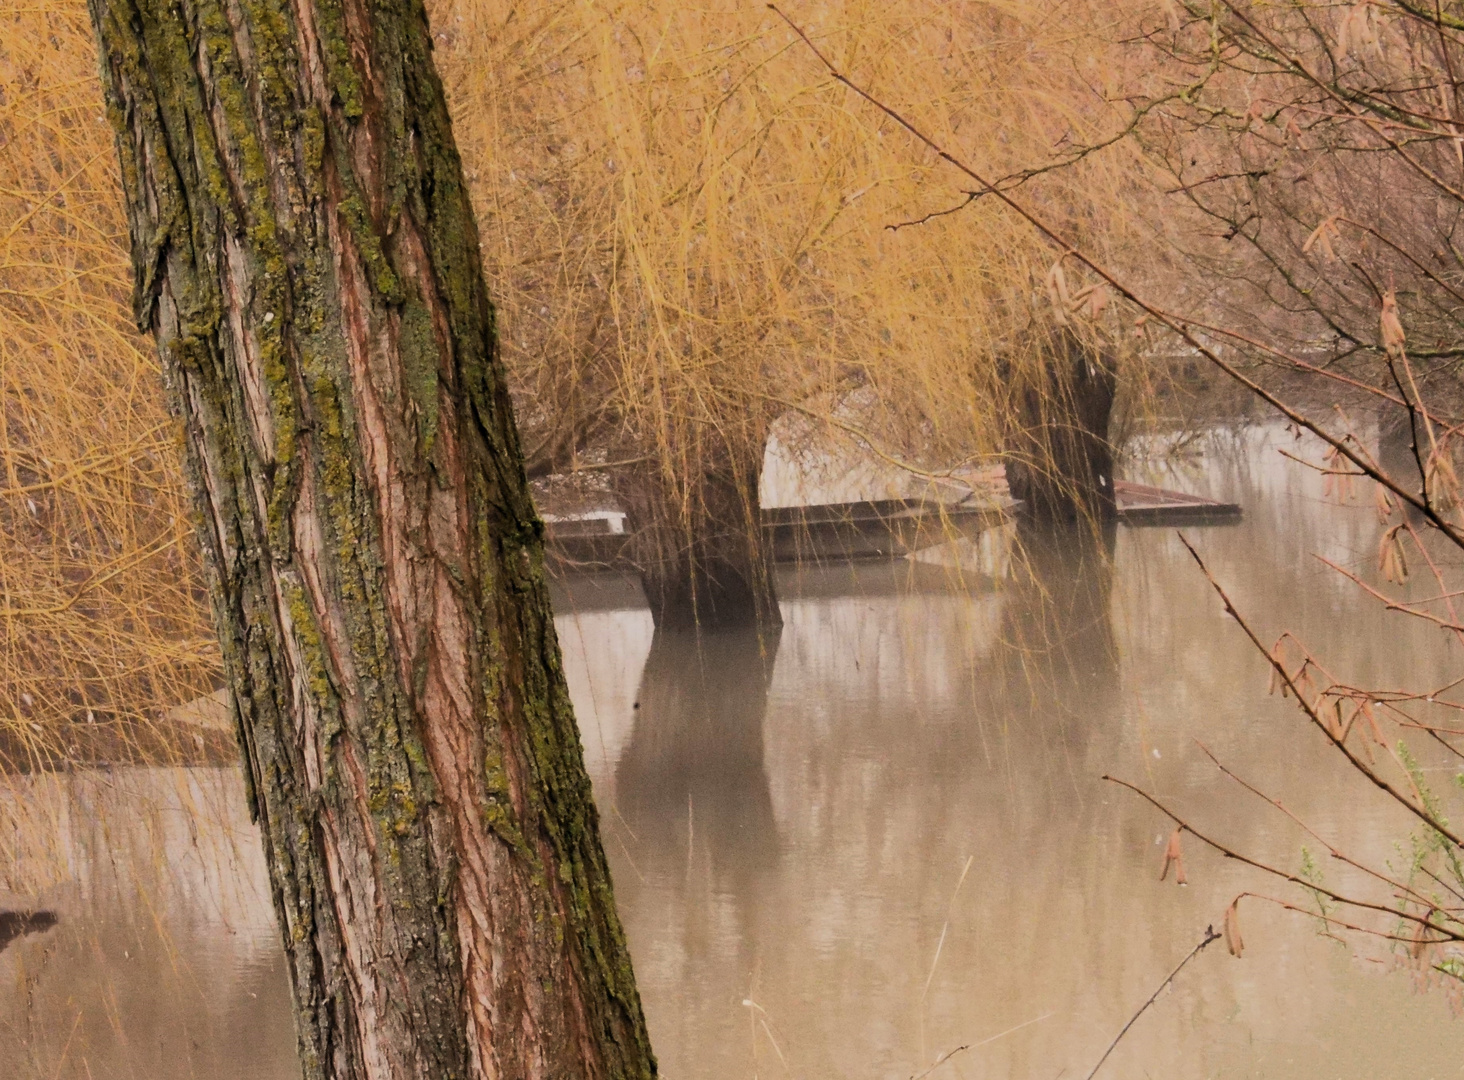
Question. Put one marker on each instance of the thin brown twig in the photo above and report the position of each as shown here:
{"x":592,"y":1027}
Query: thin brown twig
{"x":1332,"y":920}
{"x":1210,"y":936}
{"x":1301,"y":882}
{"x":1332,"y":848}
{"x":971,"y":196}
{"x":1179,"y":325}
{"x":1325,"y":470}
{"x":1389,"y":604}
{"x":1453,"y":891}
{"x":976,"y":1045}
{"x":1422,"y":813}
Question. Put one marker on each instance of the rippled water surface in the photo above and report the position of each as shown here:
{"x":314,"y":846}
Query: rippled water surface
{"x":855,"y":846}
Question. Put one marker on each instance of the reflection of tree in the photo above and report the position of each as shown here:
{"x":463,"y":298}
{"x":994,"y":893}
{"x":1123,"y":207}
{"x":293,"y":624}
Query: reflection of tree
{"x":692,"y":776}
{"x":1057,"y":649}
{"x":16,"y":924}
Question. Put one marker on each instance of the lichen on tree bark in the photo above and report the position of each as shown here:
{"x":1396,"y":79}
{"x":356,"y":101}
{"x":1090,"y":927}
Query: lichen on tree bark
{"x":306,"y":257}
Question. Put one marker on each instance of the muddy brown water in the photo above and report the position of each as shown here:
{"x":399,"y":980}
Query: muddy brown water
{"x":853,"y":847}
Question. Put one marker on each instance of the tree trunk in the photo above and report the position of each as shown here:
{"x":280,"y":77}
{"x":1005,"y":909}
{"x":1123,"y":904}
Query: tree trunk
{"x":306,"y":256}
{"x":702,"y":555}
{"x":1059,"y":459}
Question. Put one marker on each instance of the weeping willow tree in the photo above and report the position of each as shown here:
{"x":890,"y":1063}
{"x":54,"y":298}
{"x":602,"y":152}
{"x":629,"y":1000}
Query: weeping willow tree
{"x":695,"y":234}
{"x":102,"y":631}
{"x":305,"y":254}
{"x":1059,"y":459}
{"x":689,"y":231}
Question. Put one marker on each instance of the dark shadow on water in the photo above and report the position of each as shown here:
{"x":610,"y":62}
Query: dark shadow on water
{"x":17,"y":924}
{"x":1057,"y":650}
{"x":691,"y":781}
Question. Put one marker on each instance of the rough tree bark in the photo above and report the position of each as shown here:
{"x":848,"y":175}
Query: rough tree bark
{"x":1059,"y":459}
{"x":306,"y":256}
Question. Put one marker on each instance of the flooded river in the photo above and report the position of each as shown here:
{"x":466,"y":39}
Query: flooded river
{"x":858,"y":845}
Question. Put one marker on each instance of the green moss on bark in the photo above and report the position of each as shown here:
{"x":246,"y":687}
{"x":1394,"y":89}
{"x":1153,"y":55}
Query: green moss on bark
{"x":234,"y":163}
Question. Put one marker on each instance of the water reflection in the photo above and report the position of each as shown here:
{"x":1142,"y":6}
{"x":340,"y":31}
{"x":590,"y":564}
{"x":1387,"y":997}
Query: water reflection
{"x":918,"y":724}
{"x":851,"y":848}
{"x":1058,"y":654}
{"x":692,"y":772}
{"x":161,"y":960}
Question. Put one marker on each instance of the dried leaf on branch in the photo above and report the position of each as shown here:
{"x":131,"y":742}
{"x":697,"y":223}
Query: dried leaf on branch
{"x":1174,"y":853}
{"x":1233,"y":941}
{"x":1390,"y":327}
{"x":1392,"y":562}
